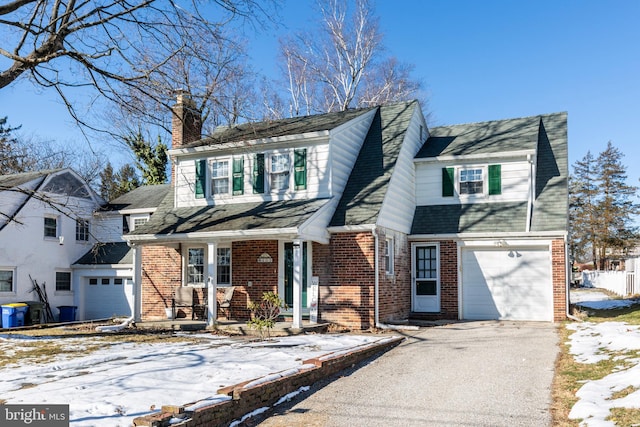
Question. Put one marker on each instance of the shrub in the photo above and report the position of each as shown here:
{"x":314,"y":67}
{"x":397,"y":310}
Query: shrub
{"x":265,"y":313}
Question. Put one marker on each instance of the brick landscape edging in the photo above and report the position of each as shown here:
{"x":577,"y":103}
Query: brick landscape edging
{"x":248,"y":396}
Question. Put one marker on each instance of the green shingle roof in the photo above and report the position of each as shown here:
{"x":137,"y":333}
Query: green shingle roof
{"x":278,"y":128}
{"x":369,"y":180}
{"x":470,"y":218}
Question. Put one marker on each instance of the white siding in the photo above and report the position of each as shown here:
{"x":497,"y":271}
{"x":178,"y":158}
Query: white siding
{"x":400,"y":201}
{"x":515,"y":183}
{"x":23,"y":247}
{"x":346,"y":142}
{"x":107,"y":228}
{"x":184,"y":186}
{"x":12,"y":200}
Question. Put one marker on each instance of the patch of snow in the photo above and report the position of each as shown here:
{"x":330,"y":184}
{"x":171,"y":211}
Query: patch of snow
{"x":249,"y":415}
{"x":289,"y":396}
{"x":118,"y":382}
{"x":591,"y":343}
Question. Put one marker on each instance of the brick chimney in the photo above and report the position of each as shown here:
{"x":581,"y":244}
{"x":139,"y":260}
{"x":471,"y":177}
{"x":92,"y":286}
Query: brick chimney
{"x":186,"y":125}
{"x":186,"y":122}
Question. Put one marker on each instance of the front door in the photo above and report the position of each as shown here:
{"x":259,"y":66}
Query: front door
{"x":426,"y":278}
{"x":288,"y":274}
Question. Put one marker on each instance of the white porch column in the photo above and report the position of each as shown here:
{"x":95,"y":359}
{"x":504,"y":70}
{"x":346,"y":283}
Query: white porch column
{"x":136,"y":309}
{"x":297,"y":284}
{"x":212,"y":284}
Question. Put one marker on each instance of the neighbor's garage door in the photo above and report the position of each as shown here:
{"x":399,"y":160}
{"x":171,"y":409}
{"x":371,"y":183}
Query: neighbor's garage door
{"x":507,"y":284}
{"x":106,"y":297}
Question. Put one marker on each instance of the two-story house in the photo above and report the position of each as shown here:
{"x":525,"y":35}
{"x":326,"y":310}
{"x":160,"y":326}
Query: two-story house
{"x":45,"y":225}
{"x":367,"y":212}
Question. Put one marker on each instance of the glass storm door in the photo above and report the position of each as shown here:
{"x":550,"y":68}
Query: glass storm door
{"x":288,"y":274}
{"x":426,"y":280}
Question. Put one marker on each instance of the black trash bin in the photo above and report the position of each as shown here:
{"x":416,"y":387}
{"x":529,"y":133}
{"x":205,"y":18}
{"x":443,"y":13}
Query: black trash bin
{"x":67,"y":313}
{"x":34,"y":315}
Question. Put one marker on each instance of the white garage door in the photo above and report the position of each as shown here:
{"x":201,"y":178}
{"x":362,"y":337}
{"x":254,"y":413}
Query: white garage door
{"x":507,"y":284}
{"x":106,"y":297}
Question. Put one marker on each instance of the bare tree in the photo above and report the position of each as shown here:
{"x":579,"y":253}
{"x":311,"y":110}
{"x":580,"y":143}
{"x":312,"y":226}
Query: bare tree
{"x":117,"y":49}
{"x":342,"y":65}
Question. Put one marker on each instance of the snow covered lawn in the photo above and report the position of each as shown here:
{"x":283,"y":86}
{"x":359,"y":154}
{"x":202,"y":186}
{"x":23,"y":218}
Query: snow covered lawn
{"x":615,"y":343}
{"x":109,"y":382}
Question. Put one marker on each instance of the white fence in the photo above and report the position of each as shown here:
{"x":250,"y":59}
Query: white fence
{"x":621,"y":283}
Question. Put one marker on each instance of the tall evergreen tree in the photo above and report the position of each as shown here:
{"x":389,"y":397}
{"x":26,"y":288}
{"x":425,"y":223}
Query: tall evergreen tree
{"x":616,"y":210}
{"x":113,"y":185}
{"x":151,"y":159}
{"x":583,"y":217}
{"x":9,"y":158}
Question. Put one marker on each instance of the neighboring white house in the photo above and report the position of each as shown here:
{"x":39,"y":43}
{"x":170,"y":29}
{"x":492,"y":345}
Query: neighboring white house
{"x":103,"y":276}
{"x":45,"y":225}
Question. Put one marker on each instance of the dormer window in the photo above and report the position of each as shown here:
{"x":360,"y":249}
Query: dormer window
{"x":279,"y":172}
{"x":220,"y":177}
{"x":471,"y":181}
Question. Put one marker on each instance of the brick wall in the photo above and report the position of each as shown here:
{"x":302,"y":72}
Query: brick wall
{"x":394,"y":291}
{"x":161,"y":275}
{"x":448,"y":279}
{"x":559,"y":279}
{"x":347,"y":293}
{"x":246,"y":268}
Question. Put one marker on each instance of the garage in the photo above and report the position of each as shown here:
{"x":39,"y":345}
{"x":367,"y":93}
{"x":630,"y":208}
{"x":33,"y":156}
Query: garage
{"x":512,"y":283}
{"x":106,"y":297}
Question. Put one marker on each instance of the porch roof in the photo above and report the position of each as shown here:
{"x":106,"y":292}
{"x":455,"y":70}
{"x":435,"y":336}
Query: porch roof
{"x":470,"y":218}
{"x":243,"y":219}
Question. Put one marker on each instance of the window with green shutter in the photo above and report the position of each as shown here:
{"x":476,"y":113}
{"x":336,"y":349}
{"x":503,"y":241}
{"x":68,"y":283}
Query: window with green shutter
{"x":201,"y":178}
{"x":238,"y":176}
{"x":258,"y":173}
{"x":300,"y":169}
{"x":495,"y":180}
{"x":447,"y":182}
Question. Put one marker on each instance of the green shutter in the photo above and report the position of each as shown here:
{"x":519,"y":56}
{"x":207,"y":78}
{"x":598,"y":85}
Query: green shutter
{"x":447,"y":182}
{"x":258,"y":174}
{"x":495,"y":181}
{"x":201,"y":178}
{"x":300,"y":169}
{"x":238,"y":176}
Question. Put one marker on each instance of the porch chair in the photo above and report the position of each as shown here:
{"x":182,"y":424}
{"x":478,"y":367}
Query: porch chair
{"x":225,"y":304}
{"x":184,"y":297}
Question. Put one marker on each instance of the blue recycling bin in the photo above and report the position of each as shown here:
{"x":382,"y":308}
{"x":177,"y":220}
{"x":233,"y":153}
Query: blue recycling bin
{"x":13,"y":314}
{"x":67,"y":313}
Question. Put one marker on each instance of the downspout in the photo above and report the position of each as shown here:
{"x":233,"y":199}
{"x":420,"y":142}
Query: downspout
{"x":531,"y":190}
{"x":568,"y":284}
{"x":376,"y":265}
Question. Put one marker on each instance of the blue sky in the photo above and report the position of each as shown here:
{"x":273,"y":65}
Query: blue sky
{"x":478,"y":60}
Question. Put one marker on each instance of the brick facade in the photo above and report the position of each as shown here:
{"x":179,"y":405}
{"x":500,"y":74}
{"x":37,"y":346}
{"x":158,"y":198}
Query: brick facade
{"x":394,"y":290}
{"x":161,"y":275}
{"x":559,"y":279}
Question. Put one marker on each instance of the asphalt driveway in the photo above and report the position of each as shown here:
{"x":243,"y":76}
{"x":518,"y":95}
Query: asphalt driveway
{"x":462,"y":374}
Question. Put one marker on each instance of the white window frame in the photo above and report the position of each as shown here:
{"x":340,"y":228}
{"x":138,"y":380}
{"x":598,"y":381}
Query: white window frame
{"x":389,"y":255}
{"x":64,"y":291}
{"x":482,"y":180}
{"x":45,"y":227}
{"x":13,"y":280}
{"x":219,"y":283}
{"x":137,"y":221}
{"x":287,"y":172}
{"x":212,"y":162}
{"x":187,"y":265}
{"x":84,"y":231}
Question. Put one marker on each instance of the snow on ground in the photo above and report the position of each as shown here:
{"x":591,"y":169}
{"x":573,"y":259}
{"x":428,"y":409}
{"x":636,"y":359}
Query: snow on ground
{"x":120,"y":381}
{"x":594,"y":342}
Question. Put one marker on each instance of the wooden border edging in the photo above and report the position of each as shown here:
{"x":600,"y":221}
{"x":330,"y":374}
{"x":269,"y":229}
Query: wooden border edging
{"x":247,"y":396}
